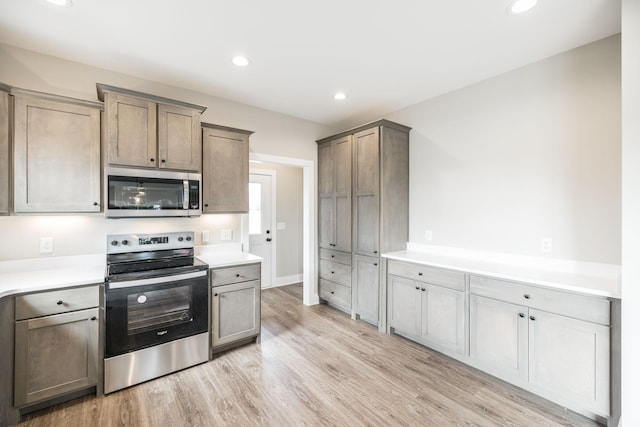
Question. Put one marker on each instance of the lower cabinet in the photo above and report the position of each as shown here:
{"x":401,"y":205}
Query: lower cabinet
{"x":562,"y":357}
{"x":366,"y":288}
{"x":334,"y":284}
{"x":235,"y":305}
{"x":428,"y":313}
{"x":55,"y":354}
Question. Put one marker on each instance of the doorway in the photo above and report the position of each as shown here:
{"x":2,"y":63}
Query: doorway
{"x":262,"y":205}
{"x":309,"y":250}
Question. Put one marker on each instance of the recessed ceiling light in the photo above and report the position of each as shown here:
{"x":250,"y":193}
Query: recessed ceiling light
{"x":521,"y":6}
{"x":340,"y":96}
{"x":240,"y":61}
{"x":61,"y":3}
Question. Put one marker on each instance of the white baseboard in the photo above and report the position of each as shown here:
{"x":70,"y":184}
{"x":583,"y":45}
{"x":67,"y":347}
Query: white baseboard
{"x":287,"y":280}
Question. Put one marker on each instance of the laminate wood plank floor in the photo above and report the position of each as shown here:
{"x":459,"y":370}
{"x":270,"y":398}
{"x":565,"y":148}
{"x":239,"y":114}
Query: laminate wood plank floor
{"x":316,"y":366}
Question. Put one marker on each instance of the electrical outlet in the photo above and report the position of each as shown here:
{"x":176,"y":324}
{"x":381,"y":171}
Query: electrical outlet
{"x":205,"y":236}
{"x":546,"y":244}
{"x":428,"y":235}
{"x":46,"y":245}
{"x":226,"y":234}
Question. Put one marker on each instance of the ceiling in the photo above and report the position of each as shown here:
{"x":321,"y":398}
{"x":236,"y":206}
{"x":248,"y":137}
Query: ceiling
{"x":385,"y":55}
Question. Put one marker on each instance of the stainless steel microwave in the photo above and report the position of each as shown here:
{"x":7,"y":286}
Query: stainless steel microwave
{"x":131,"y":193}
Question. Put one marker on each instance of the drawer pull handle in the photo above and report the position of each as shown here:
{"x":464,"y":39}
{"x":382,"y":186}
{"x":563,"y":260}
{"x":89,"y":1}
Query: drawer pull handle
{"x":521,"y":315}
{"x":420,"y":273}
{"x":375,"y":264}
{"x":93,"y":318}
{"x":527,"y":296}
{"x":532,"y":317}
{"x":60,"y":302}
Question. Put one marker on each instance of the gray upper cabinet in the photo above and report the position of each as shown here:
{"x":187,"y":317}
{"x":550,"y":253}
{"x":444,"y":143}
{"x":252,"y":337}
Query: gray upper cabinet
{"x":144,"y":130}
{"x":56,"y":153}
{"x":334,"y":194}
{"x":225,"y":169}
{"x":4,"y":150}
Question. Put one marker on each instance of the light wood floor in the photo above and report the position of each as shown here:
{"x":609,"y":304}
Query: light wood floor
{"x":315,"y":366}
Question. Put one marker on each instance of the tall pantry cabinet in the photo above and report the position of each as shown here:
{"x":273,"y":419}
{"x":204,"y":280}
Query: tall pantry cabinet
{"x":376,"y":217}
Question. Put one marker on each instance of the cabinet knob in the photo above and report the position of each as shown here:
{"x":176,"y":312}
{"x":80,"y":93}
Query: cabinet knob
{"x":417,"y":288}
{"x":375,"y":252}
{"x":96,"y":204}
{"x":332,"y":292}
{"x":163,"y":161}
{"x":532,"y":317}
{"x":333,"y":256}
{"x":333,"y":272}
{"x":237,"y":274}
{"x":422,"y":289}
{"x":527,"y":296}
{"x":420,"y":273}
{"x":521,"y":315}
{"x":215,"y":295}
{"x":375,"y":264}
{"x":93,"y":318}
{"x":60,"y":302}
{"x":152,"y":160}
{"x":206,"y":205}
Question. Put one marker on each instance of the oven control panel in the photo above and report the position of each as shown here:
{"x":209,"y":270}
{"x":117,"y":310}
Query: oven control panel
{"x":123,"y":243}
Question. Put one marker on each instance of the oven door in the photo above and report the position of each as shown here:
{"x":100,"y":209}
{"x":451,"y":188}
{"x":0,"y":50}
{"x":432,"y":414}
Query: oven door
{"x":145,"y":312}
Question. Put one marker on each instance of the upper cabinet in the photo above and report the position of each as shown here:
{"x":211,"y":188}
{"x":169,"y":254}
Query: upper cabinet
{"x":56,"y":153}
{"x":147,"y":131}
{"x":4,"y":150}
{"x":225,"y":169}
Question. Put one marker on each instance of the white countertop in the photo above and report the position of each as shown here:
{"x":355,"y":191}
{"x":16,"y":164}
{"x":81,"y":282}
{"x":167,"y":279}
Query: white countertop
{"x":41,"y":274}
{"x":583,"y":279}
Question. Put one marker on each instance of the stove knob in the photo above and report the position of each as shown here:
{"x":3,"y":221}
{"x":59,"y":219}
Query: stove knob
{"x":188,"y":238}
{"x":114,"y":243}
{"x":180,"y":239}
{"x":125,"y":242}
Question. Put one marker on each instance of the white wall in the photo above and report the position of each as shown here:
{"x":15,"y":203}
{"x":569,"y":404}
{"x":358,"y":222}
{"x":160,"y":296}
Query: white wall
{"x":630,"y":212}
{"x":275,"y":134}
{"x":528,"y":154}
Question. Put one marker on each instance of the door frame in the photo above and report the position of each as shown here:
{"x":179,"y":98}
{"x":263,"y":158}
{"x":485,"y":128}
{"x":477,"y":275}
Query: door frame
{"x":309,"y":223}
{"x":271,"y":226}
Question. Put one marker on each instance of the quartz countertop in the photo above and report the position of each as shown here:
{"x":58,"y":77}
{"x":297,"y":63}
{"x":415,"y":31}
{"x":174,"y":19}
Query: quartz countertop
{"x":41,"y":274}
{"x":31,"y":275}
{"x":602,"y":281}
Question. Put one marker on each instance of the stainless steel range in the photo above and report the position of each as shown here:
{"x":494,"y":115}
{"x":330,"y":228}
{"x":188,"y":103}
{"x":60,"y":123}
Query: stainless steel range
{"x":156,"y":307}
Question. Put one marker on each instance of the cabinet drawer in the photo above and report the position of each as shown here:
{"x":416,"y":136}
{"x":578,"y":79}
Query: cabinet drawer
{"x":422,"y":273}
{"x":335,"y":256}
{"x":236,"y":274}
{"x":54,"y":302}
{"x":591,"y":309}
{"x":335,"y":272}
{"x":335,"y":294}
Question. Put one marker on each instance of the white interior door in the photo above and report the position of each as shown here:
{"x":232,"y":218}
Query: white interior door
{"x":261,"y":232}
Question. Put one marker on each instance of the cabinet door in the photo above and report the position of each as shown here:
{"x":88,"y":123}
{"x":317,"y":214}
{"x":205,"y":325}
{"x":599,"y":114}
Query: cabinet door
{"x":366,"y":288}
{"x":570,"y":358}
{"x":4,"y":153}
{"x":55,"y":355}
{"x":225,"y":171}
{"x":498,"y":337}
{"x":235,"y":312}
{"x":342,"y":194}
{"x":443,"y":318}
{"x":405,"y":305}
{"x":366,"y":233}
{"x":130,"y":131}
{"x":57,"y":156}
{"x":179,"y":138}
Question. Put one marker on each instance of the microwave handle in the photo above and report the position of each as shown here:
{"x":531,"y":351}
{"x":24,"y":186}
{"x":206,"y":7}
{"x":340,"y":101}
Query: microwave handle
{"x":185,"y":194}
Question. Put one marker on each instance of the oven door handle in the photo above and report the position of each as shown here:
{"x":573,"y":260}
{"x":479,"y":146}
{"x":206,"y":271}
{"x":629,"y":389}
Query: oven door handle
{"x":155,"y":280}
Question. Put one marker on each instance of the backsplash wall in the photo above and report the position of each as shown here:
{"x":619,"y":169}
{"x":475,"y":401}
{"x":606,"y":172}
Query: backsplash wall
{"x":86,"y":234}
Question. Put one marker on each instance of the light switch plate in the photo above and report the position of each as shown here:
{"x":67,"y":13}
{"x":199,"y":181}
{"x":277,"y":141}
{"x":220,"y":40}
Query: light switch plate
{"x":205,"y":236}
